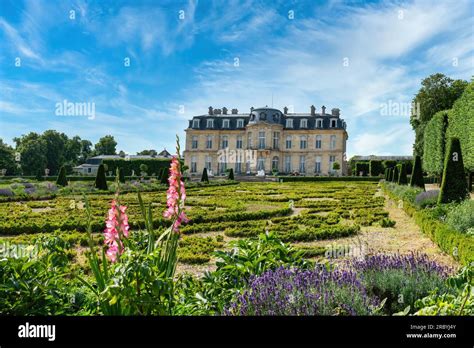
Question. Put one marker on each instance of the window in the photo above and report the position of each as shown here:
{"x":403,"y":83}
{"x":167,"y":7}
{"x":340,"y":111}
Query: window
{"x":249,"y":140}
{"x":302,"y":164}
{"x":275,"y":163}
{"x":247,"y":166}
{"x":238,"y":167}
{"x":193,"y":164}
{"x":318,"y":141}
{"x":263,"y":116}
{"x":304,"y":123}
{"x":288,"y":142}
{"x":287,"y":164}
{"x":289,"y":123}
{"x":332,"y":143}
{"x":225,"y":123}
{"x":317,"y":168}
{"x":303,"y":142}
{"x":89,"y":170}
{"x":261,"y":163}
{"x":239,"y":142}
{"x":196,"y":123}
{"x":333,"y":123}
{"x":276,"y":140}
{"x":195,"y":142}
{"x":210,"y":123}
{"x":225,"y":142}
{"x":261,"y":140}
{"x":240,"y":123}
{"x":222,"y":167}
{"x":209,"y":163}
{"x":319,"y":123}
{"x":209,"y":142}
{"x":332,"y":159}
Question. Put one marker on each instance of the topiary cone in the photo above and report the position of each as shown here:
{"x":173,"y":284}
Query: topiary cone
{"x":454,"y":185}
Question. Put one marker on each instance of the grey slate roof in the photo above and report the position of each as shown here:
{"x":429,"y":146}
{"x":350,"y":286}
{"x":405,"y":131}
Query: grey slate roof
{"x":268,"y":115}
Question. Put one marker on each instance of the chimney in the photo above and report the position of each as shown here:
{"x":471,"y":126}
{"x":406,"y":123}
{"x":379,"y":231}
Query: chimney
{"x":335,"y":112}
{"x":211,"y":112}
{"x":235,"y":111}
{"x":217,"y":111}
{"x":285,"y":110}
{"x":224,"y":110}
{"x":323,"y":110}
{"x":313,"y":110}
{"x":251,"y":109}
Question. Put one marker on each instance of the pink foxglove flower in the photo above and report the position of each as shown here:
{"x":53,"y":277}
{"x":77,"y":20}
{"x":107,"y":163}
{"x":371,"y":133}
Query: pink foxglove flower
{"x":116,"y":228}
{"x":175,"y":196}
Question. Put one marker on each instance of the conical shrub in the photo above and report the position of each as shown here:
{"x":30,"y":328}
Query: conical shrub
{"x":454,"y":185}
{"x":231,"y":174}
{"x":204,"y":177}
{"x":402,"y":177}
{"x":417,"y":175}
{"x":62,"y":179}
{"x":395,"y":174}
{"x":100,"y":179}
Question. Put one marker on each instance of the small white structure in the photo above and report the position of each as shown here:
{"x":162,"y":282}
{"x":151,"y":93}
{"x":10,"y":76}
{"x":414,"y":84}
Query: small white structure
{"x":260,"y":174}
{"x":210,"y":173}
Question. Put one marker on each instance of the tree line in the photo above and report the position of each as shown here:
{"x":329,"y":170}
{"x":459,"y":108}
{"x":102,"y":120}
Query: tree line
{"x":33,"y":152}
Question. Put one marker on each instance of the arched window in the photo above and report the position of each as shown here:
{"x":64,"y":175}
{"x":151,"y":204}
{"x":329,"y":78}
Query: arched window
{"x":275,"y":163}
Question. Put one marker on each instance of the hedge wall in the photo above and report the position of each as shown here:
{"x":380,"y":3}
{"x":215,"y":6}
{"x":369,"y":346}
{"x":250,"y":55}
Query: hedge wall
{"x":434,"y":143}
{"x":328,"y":178}
{"x":362,"y":167}
{"x":154,"y":165}
{"x":461,"y":125}
{"x":376,"y":168}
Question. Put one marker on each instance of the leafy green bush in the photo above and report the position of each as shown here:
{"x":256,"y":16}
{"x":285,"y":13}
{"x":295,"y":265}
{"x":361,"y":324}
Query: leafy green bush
{"x":386,"y":222}
{"x":454,"y":185}
{"x":457,"y":301}
{"x":461,"y":217}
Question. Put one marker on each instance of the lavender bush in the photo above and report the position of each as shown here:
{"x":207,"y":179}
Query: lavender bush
{"x":401,"y":279}
{"x":304,"y":292}
{"x":427,"y":198}
{"x":6,"y":192}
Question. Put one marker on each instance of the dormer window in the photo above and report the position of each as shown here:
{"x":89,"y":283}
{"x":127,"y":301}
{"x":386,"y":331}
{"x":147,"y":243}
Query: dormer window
{"x":304,"y":123}
{"x":289,"y":123}
{"x":276,"y":117}
{"x":196,"y":123}
{"x":319,"y":123}
{"x":333,"y":123}
{"x":225,"y":123}
{"x":210,"y":123}
{"x":240,"y":123}
{"x":263,"y":116}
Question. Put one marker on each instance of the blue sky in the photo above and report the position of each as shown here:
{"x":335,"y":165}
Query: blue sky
{"x":358,"y":56}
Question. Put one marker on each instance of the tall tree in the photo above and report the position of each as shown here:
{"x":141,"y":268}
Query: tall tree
{"x":86,"y":150}
{"x":32,"y":150}
{"x":55,"y":150}
{"x":438,"y":92}
{"x":7,"y":158}
{"x":106,"y":146}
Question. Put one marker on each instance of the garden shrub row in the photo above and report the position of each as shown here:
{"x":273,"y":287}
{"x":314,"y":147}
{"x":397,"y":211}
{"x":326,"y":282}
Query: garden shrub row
{"x":327,"y":178}
{"x":457,"y":244}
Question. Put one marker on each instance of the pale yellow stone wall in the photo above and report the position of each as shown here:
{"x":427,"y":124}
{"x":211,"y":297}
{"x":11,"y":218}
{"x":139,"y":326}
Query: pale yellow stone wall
{"x":310,"y":153}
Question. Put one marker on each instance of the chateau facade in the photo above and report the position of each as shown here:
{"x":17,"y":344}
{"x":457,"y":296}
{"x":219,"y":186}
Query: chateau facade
{"x":267,"y":139}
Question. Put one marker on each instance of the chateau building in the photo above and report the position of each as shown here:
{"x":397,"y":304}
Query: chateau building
{"x":267,"y":139}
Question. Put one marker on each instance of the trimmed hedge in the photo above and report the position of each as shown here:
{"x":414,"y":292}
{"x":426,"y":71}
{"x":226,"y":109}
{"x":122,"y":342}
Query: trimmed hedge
{"x":62,"y":180}
{"x":327,"y":178}
{"x":461,"y":124}
{"x":395,"y":174}
{"x":153,"y":165}
{"x":402,"y":177}
{"x":457,"y":244}
{"x":204,"y":177}
{"x":434,"y":143}
{"x":100,"y":180}
{"x":375,"y":167}
{"x":362,"y":167}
